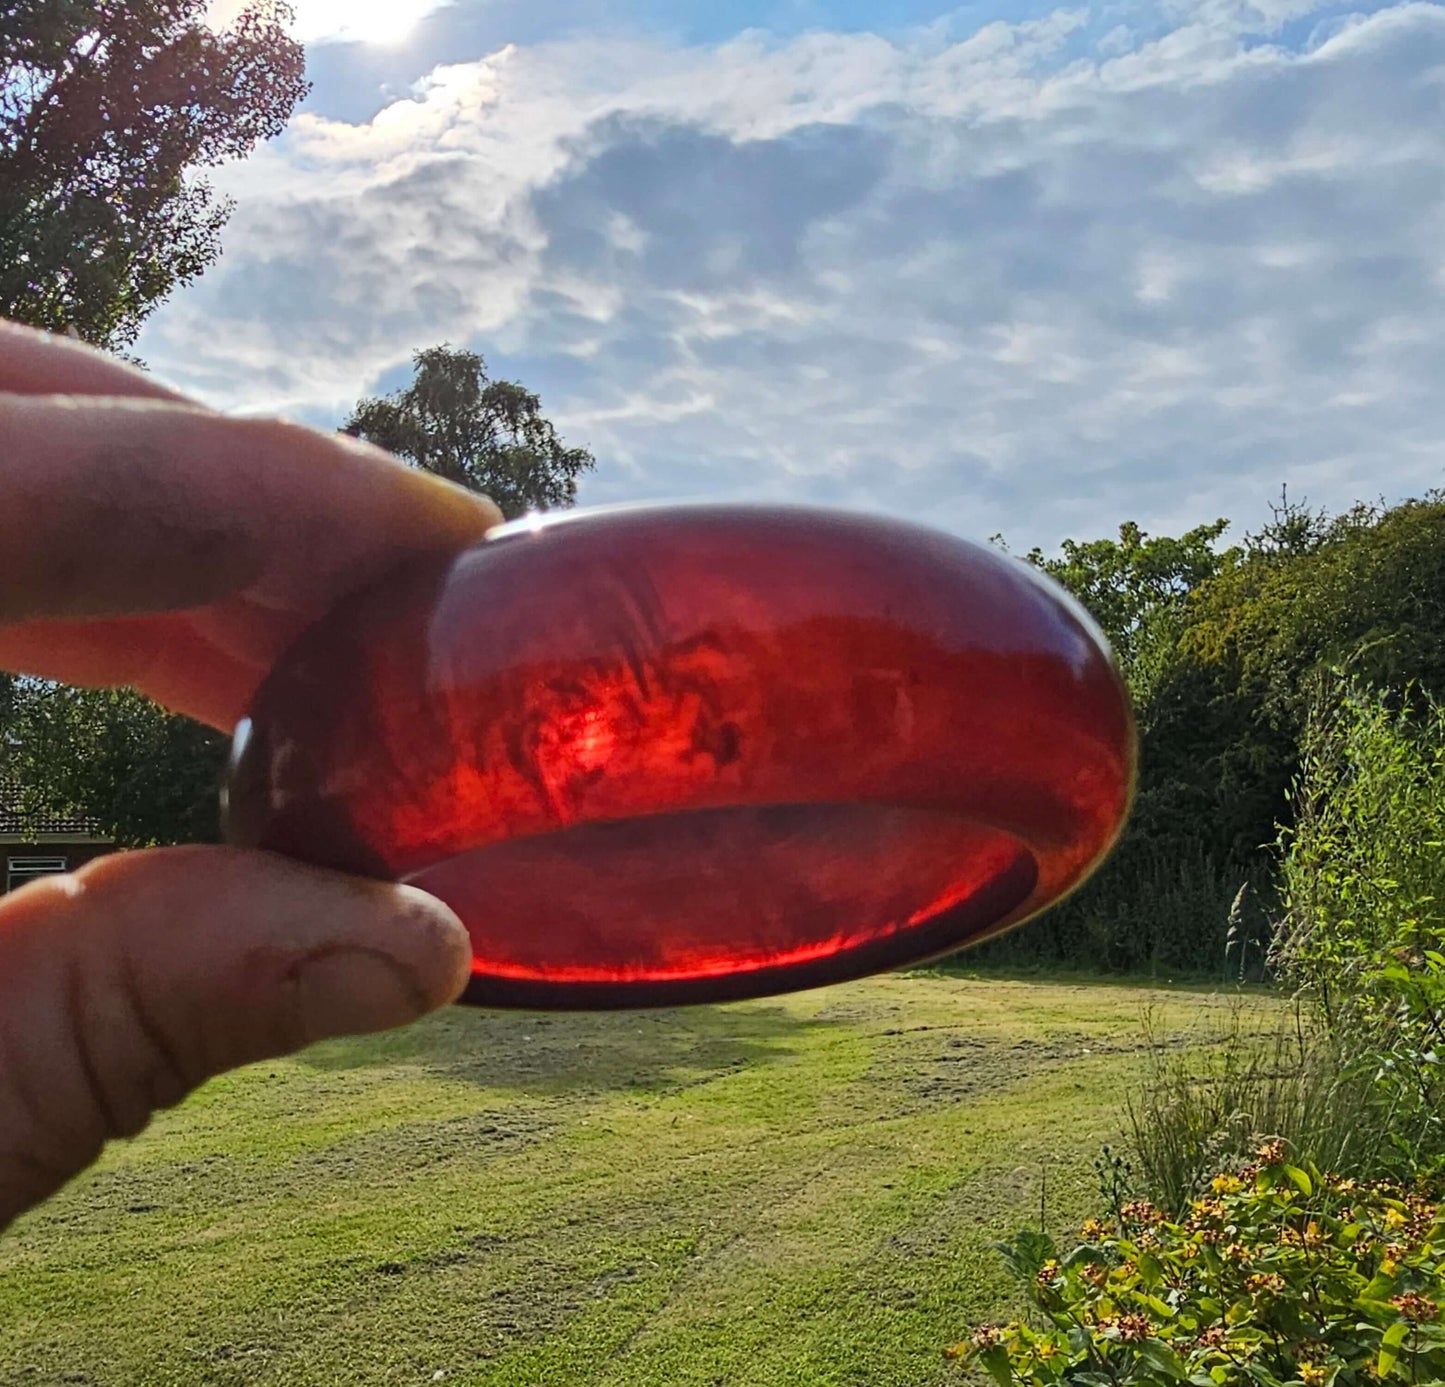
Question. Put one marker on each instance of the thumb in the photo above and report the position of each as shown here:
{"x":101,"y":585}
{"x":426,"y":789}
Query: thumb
{"x":127,"y":984}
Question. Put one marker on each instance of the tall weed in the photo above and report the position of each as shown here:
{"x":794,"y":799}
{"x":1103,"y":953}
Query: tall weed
{"x":1354,"y":1079}
{"x":1362,"y":937}
{"x":1208,"y":1099}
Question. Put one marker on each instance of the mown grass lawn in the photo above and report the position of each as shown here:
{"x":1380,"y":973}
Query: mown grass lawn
{"x":800,"y":1191}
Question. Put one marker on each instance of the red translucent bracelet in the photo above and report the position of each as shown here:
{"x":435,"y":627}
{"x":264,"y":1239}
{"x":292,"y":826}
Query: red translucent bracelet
{"x":656,"y":755}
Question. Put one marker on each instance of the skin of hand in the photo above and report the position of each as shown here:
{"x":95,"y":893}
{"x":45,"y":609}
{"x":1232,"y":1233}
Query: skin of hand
{"x":148,"y":541}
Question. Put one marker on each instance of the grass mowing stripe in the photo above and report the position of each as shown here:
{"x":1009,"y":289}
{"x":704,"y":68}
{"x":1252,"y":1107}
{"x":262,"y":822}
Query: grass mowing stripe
{"x":767,"y":1193}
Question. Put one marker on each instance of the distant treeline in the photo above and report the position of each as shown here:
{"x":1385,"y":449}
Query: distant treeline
{"x":1225,"y":650}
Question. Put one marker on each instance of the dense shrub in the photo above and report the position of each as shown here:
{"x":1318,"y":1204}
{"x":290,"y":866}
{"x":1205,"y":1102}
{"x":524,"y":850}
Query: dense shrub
{"x":1362,"y":591}
{"x":1351,"y":1076}
{"x":1167,"y":911}
{"x":1363,"y":934}
{"x":1279,"y":1277}
{"x":1221,"y":649}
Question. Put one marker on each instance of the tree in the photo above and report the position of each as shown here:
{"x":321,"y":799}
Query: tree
{"x":106,"y":108}
{"x":1363,"y":592}
{"x":485,"y":434}
{"x":146,"y":775}
{"x":1225,"y":657}
{"x":1137,"y":587}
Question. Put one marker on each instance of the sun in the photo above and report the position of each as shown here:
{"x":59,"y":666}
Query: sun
{"x":361,"y":21}
{"x":339,"y":21}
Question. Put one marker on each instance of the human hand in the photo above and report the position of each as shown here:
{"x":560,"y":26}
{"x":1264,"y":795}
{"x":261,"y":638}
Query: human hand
{"x":146,"y":540}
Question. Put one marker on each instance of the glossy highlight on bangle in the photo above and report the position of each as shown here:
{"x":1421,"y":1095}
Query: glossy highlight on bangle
{"x":669,"y":754}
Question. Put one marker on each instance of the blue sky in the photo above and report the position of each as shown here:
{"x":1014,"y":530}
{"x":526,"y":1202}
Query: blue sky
{"x":1033,"y":270}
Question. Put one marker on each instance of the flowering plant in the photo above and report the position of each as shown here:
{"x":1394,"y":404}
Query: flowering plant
{"x":1279,"y":1277}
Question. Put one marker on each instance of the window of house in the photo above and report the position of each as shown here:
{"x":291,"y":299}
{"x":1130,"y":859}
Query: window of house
{"x":22,"y":869}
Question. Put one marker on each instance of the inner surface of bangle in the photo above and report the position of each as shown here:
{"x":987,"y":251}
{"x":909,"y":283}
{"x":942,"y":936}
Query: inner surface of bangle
{"x":718,"y":892}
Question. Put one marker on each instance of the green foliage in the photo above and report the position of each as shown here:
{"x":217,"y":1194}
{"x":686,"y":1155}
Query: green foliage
{"x":1277,"y":1275}
{"x":148,"y":776}
{"x":1353,"y":1081}
{"x":1364,"y":591}
{"x":1161,"y":904}
{"x":1137,"y":588}
{"x":1222,"y":649}
{"x":1204,"y":1104}
{"x":1363,"y":934}
{"x":105,"y":111}
{"x":486,"y":434}
{"x":1280,"y":1276}
{"x":1166,"y":910}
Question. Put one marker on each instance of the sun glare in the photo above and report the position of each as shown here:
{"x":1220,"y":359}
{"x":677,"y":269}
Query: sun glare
{"x":360,"y":21}
{"x":363,"y":21}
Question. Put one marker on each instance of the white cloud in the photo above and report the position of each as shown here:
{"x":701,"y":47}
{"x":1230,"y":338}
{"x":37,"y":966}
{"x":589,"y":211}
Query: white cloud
{"x":992,"y":283}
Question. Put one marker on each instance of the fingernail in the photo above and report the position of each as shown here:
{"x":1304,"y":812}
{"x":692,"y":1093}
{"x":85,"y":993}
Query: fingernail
{"x":473,"y":513}
{"x":353,"y":988}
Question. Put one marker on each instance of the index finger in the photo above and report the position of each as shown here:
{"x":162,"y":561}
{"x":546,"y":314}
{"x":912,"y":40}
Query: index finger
{"x":162,"y":546}
{"x":128,"y":506}
{"x":40,"y":363}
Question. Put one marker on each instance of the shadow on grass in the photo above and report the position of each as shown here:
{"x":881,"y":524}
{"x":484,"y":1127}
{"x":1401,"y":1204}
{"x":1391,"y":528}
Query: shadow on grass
{"x":581,"y":1052}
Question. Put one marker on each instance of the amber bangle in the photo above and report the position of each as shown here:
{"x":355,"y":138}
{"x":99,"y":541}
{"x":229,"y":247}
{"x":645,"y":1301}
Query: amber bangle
{"x":675,"y":754}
